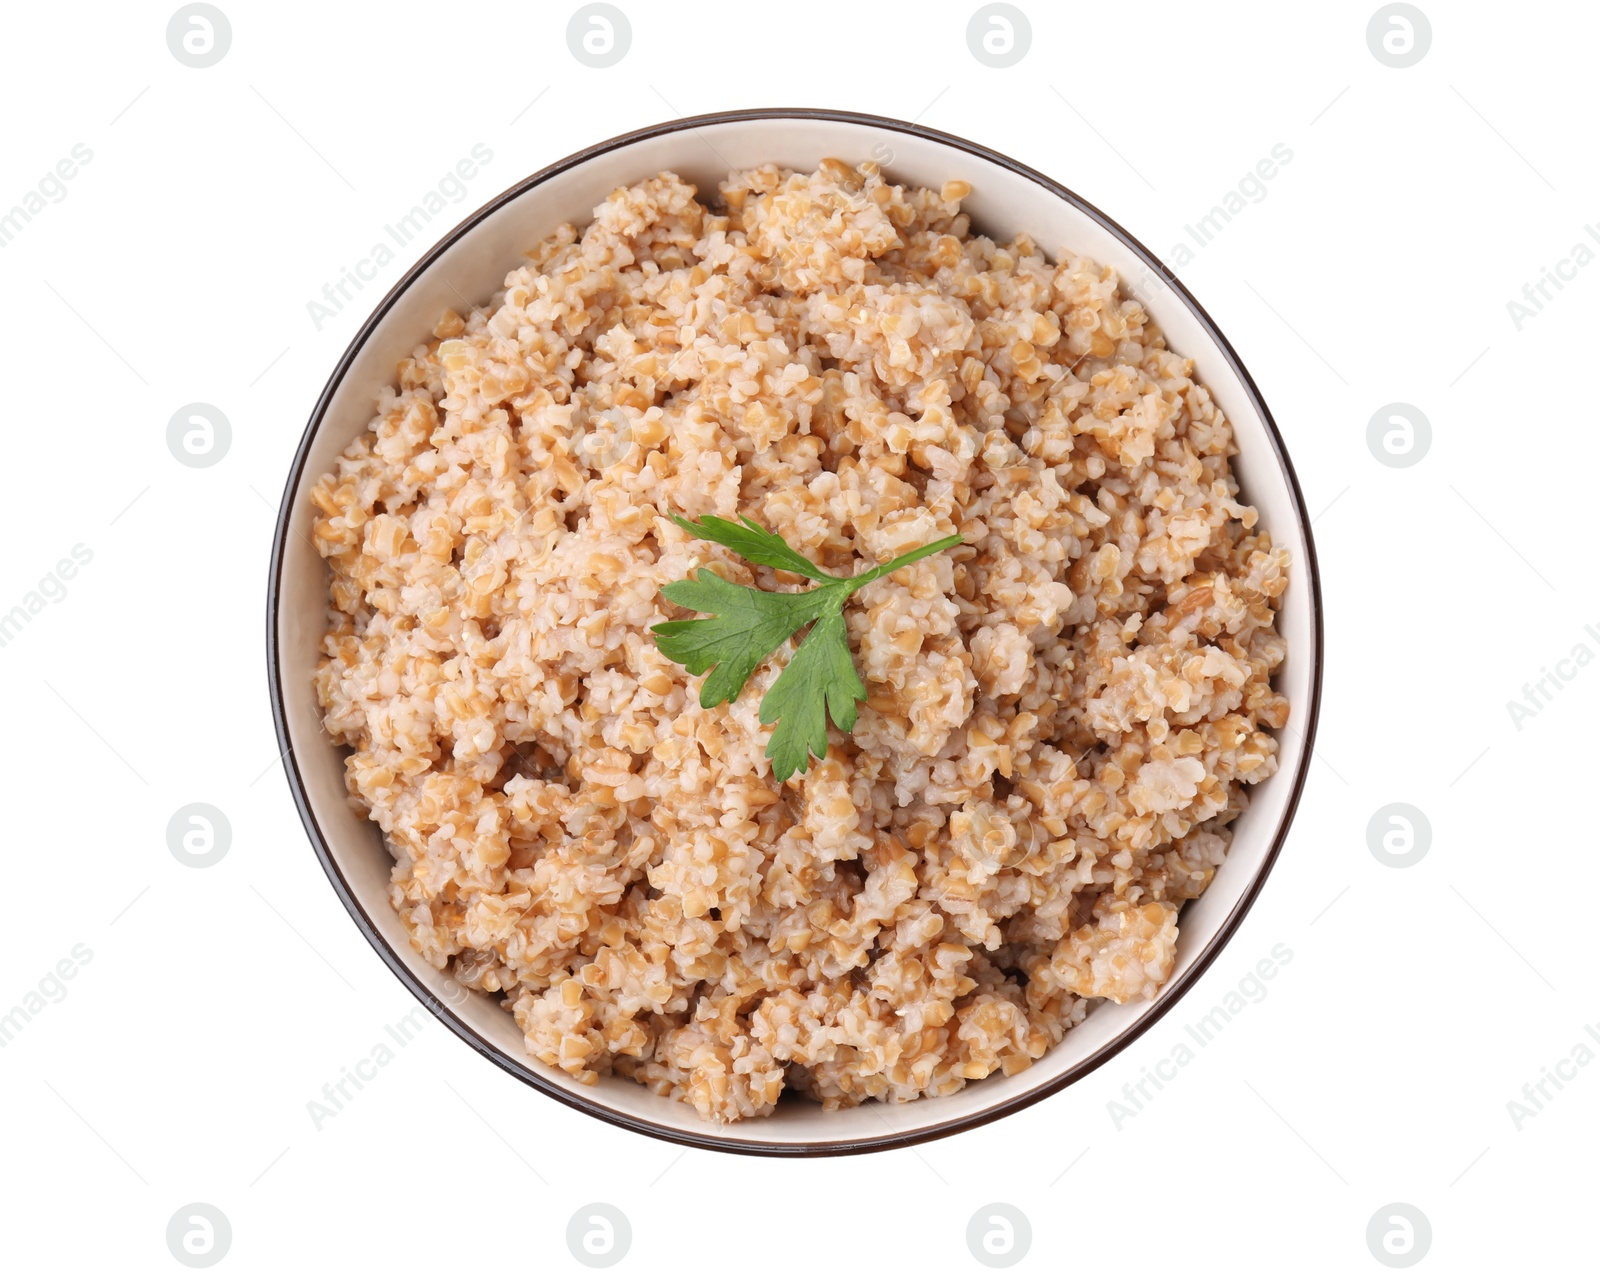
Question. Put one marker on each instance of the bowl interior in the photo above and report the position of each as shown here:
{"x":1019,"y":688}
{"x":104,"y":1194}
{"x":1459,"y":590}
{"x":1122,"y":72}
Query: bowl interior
{"x":472,"y":262}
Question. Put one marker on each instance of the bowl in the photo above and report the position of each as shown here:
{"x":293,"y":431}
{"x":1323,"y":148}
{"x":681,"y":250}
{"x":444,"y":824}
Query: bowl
{"x":471,"y":261}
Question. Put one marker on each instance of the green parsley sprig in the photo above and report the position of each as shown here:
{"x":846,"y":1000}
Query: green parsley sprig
{"x":748,"y":624}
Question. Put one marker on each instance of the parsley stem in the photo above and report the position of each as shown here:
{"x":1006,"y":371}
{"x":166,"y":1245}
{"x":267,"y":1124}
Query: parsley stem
{"x":904,"y":559}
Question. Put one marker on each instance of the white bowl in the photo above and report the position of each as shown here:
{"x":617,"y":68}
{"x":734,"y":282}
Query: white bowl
{"x":472,"y":261}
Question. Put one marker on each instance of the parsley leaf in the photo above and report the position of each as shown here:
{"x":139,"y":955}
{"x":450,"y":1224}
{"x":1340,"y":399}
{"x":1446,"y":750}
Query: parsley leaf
{"x":748,"y":624}
{"x":753,"y":544}
{"x":821,"y":675}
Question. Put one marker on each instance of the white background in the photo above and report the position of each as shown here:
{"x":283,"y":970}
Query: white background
{"x":1377,"y":269}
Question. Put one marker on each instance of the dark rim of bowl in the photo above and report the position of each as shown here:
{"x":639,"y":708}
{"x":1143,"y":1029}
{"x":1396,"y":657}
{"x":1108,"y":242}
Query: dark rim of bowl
{"x":890,"y":1140}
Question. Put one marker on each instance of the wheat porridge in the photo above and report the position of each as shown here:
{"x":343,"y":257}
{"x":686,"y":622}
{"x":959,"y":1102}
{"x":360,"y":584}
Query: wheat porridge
{"x":1063,"y":709}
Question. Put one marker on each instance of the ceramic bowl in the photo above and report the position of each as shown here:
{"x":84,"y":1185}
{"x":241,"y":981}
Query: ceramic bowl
{"x":472,"y":261}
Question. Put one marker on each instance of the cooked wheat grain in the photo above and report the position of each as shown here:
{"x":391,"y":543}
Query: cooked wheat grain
{"x":1062,"y":713}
